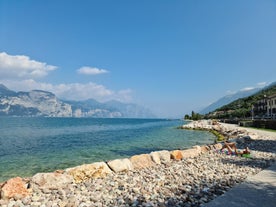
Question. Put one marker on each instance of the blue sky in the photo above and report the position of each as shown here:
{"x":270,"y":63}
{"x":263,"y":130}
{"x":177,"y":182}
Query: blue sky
{"x":171,"y":56}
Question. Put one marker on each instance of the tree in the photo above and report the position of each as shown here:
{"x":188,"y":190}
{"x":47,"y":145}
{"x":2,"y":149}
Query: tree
{"x":187,"y":116}
{"x":196,"y":116}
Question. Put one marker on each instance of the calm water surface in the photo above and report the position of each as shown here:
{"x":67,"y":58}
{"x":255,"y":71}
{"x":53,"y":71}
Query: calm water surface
{"x":31,"y":145}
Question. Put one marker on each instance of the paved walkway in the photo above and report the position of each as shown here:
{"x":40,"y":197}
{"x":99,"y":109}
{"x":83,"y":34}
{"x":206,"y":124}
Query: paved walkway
{"x":257,"y":191}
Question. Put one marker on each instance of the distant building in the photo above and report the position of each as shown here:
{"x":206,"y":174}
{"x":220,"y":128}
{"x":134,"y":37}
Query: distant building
{"x":266,"y":107}
{"x":260,"y":108}
{"x":271,"y":106}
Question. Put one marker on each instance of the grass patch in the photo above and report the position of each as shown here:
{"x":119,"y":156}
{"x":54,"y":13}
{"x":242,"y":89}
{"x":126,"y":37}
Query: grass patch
{"x":219,"y":136}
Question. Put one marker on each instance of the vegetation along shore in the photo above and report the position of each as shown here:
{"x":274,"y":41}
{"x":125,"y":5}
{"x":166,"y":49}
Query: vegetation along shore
{"x":188,"y":177}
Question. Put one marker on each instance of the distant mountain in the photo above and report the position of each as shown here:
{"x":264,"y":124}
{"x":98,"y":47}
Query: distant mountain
{"x":228,"y":99}
{"x":130,"y":110}
{"x":44,"y":103}
{"x":111,"y":109}
{"x":242,"y":107}
{"x":33,"y":103}
{"x":4,"y":91}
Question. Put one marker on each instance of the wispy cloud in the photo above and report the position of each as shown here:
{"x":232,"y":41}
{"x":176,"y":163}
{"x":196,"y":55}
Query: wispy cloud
{"x":247,"y":89}
{"x":262,"y":84}
{"x":21,"y":66}
{"x":91,"y":71}
{"x":258,"y":85}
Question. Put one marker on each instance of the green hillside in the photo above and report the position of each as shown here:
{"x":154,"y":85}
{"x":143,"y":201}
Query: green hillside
{"x":242,"y":108}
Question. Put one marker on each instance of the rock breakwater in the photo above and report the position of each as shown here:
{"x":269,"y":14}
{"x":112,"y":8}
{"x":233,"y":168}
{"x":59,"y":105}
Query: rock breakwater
{"x":188,"y":177}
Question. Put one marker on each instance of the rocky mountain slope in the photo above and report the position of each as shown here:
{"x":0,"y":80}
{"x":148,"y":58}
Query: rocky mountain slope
{"x":33,"y":103}
{"x":44,"y":103}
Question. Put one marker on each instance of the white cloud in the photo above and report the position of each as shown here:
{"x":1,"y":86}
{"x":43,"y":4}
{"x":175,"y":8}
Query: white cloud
{"x":262,"y":84}
{"x":91,"y":71}
{"x":247,"y":89}
{"x":19,"y":73}
{"x":79,"y":91}
{"x":258,"y":85}
{"x":72,"y":91}
{"x":21,"y":66}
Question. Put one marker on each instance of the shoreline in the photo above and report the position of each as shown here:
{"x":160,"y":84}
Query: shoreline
{"x":180,"y":177}
{"x":48,"y":145}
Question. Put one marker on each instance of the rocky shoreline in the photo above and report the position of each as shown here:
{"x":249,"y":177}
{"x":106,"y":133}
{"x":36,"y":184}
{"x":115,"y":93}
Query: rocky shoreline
{"x":189,"y":177}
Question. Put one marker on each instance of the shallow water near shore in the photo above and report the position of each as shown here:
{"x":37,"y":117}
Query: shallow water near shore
{"x":31,"y":145}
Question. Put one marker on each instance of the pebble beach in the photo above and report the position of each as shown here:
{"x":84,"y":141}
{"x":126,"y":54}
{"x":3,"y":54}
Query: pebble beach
{"x":191,"y":181}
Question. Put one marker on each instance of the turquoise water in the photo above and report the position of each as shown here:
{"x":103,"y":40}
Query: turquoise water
{"x":31,"y":145}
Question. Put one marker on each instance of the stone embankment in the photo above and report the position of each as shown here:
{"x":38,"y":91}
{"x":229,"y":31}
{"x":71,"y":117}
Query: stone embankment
{"x":188,"y":177}
{"x":226,"y":130}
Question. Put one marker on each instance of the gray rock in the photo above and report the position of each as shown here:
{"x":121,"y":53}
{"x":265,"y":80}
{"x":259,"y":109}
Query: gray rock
{"x":52,"y":180}
{"x":120,"y":165}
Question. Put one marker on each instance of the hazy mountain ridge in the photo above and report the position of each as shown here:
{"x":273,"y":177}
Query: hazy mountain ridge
{"x":44,"y":103}
{"x":228,"y":99}
{"x":242,"y":107}
{"x":111,"y":109}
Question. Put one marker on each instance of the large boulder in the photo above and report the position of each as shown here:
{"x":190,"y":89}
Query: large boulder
{"x":120,"y":165}
{"x":14,"y":188}
{"x":52,"y":180}
{"x":141,"y":161}
{"x":159,"y":157}
{"x":193,"y":152}
{"x":88,"y":171}
{"x":165,"y":156}
{"x":155,"y":157}
{"x":176,"y":155}
{"x":162,"y":156}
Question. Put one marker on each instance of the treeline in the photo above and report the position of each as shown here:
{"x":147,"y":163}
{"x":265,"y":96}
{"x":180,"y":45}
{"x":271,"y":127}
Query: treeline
{"x":194,"y":116}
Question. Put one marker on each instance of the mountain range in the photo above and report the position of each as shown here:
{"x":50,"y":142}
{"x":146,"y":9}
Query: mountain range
{"x":44,"y":103}
{"x":247,"y":106}
{"x":228,"y":99}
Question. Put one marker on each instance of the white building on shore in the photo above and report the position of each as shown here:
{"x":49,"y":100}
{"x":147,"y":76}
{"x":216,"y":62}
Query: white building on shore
{"x":265,"y":108}
{"x":271,"y":106}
